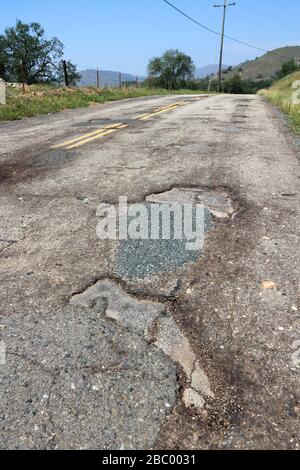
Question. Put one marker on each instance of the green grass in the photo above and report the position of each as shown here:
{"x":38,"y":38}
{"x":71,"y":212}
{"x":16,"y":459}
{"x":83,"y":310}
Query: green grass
{"x":281,"y":94}
{"x":42,"y":99}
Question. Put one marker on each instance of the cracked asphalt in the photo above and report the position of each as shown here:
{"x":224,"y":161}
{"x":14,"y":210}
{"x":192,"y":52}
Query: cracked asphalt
{"x":198,"y":356}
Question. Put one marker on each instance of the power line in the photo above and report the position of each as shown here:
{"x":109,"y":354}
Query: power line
{"x":262,"y":19}
{"x":220,"y":34}
{"x":261,"y":12}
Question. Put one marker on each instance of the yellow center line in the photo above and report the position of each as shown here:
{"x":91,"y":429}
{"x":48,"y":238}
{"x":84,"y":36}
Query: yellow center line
{"x":85,"y":136}
{"x":111,"y":128}
{"x":148,"y":116}
{"x":98,"y":136}
{"x":169,"y":106}
{"x":159,"y":110}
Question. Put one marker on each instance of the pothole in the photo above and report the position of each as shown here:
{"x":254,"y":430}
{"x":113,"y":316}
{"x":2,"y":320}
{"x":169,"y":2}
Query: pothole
{"x":217,"y":203}
{"x":144,"y":253}
{"x":155,"y":323}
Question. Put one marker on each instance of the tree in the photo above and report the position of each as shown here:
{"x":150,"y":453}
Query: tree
{"x":26,"y":54}
{"x":287,"y":68}
{"x":73,"y":75}
{"x":233,"y":85}
{"x":172,"y":70}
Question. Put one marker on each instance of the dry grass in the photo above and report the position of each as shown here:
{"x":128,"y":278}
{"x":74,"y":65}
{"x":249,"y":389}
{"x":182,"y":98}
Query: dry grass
{"x":42,"y":99}
{"x":281,"y":94}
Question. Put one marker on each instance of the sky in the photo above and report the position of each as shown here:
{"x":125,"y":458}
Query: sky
{"x":124,"y":35}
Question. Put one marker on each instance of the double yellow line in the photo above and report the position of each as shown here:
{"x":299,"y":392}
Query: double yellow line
{"x":111,"y":128}
{"x":86,"y":138}
{"x":145,"y":117}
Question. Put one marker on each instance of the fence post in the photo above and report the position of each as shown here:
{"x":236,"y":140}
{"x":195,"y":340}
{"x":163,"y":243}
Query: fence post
{"x":66,"y":73}
{"x":2,"y":70}
{"x":23,"y":76}
{"x":2,"y":92}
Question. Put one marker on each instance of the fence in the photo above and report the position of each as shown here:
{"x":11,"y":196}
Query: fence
{"x":105,"y":79}
{"x":2,"y":92}
{"x":88,"y":78}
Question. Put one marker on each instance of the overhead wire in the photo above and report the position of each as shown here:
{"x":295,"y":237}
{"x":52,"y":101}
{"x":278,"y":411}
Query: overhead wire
{"x":190,"y":18}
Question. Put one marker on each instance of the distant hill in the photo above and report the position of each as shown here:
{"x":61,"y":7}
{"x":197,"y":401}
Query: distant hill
{"x":266,"y":66}
{"x":204,"y":72}
{"x":261,"y":68}
{"x":108,"y":78}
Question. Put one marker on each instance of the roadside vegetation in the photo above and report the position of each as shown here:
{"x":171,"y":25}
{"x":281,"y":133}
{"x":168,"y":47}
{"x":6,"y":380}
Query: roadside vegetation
{"x":41,"y":82}
{"x":281,"y":94}
{"x":28,"y":56}
{"x":232,"y":85}
{"x":45,"y":99}
{"x":173,"y":70}
{"x":236,"y":84}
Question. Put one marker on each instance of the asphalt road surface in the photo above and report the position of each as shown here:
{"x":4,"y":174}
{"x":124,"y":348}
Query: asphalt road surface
{"x":105,"y":345}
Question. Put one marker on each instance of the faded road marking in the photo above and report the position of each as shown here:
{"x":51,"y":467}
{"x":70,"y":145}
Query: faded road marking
{"x":85,"y":136}
{"x":110,"y":129}
{"x":145,"y":117}
{"x":160,"y":109}
{"x":97,"y":136}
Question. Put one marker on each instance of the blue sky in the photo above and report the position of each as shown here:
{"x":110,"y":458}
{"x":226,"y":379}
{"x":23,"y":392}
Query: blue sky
{"x":124,"y":34}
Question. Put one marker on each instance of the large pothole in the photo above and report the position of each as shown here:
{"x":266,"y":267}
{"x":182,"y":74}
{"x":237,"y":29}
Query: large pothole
{"x":217,"y":202}
{"x":142,"y":257}
{"x":156,"y":324}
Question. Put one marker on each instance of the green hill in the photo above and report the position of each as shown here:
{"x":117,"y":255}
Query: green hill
{"x":266,"y":66}
{"x":281,"y":94}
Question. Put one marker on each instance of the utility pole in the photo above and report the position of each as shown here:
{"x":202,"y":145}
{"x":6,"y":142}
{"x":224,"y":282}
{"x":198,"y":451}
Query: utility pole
{"x":98,"y":79}
{"x":209,"y":84}
{"x":120,"y":80}
{"x":224,"y":6}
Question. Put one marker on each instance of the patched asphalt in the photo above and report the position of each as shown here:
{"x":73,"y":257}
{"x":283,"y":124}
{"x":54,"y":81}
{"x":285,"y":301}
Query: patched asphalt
{"x":140,"y":259}
{"x":74,"y":380}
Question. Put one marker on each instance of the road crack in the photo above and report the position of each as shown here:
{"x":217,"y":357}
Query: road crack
{"x":156,"y":323}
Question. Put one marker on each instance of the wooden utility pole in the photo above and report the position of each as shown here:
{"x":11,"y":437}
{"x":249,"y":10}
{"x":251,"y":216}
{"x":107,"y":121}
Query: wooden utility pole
{"x":98,"y":79}
{"x":209,"y":84}
{"x":120,"y":80}
{"x":66,"y":73}
{"x":224,"y":6}
{"x":137,"y":81}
